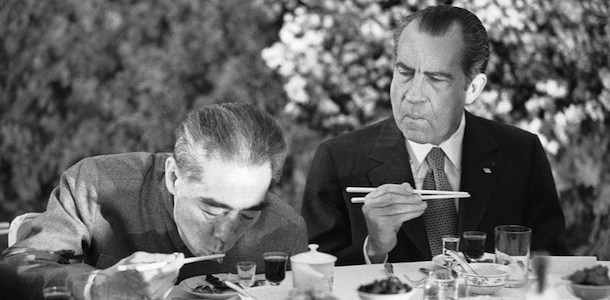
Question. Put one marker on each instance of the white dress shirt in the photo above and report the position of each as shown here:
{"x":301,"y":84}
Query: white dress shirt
{"x":453,"y":158}
{"x":419,"y":167}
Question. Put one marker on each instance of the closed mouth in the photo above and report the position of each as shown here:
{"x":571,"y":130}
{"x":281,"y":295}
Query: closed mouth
{"x":413,"y":117}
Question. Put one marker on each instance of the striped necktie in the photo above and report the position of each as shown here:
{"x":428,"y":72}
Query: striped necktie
{"x":440,"y":217}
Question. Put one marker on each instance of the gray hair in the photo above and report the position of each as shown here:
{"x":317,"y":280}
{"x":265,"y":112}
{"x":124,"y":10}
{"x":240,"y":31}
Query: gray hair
{"x":234,"y":132}
{"x":437,"y":20}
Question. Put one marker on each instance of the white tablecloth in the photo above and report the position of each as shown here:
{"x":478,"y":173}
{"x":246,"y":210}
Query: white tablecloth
{"x":347,"y":279}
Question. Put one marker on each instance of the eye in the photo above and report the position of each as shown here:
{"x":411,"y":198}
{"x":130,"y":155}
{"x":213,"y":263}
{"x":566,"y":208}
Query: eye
{"x":213,"y":214}
{"x":438,"y":77}
{"x":248,"y":215}
{"x":405,"y":72}
{"x":213,"y":211}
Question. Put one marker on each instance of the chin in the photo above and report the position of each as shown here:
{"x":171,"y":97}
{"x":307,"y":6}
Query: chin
{"x":416,"y":136}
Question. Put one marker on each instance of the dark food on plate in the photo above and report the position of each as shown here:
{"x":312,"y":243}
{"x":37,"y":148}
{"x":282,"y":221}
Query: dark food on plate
{"x":218,"y":287}
{"x":596,"y":275}
{"x":386,"y":286}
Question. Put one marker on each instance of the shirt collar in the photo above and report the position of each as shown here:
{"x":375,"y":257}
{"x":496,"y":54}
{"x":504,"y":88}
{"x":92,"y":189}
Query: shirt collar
{"x":452,"y":147}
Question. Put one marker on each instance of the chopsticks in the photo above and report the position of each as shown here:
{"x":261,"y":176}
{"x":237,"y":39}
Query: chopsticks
{"x":425,"y":194}
{"x":240,"y":290}
{"x":149,"y":266}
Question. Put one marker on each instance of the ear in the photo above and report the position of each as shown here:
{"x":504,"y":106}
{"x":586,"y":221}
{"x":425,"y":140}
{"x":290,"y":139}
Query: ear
{"x":171,"y":174}
{"x":475,"y":88}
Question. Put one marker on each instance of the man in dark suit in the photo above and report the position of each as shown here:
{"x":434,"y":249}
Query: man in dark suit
{"x":431,"y":142}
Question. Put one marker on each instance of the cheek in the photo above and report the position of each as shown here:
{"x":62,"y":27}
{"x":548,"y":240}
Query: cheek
{"x":190,"y":218}
{"x":398,"y":87}
{"x":242,"y":225}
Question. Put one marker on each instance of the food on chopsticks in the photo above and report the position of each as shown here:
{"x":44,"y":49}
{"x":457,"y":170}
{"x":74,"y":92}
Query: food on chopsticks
{"x":390,"y":285}
{"x":213,"y":285}
{"x":596,"y":275}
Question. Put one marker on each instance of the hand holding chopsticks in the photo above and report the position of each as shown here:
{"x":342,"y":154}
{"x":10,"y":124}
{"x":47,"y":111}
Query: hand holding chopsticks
{"x":425,"y":194}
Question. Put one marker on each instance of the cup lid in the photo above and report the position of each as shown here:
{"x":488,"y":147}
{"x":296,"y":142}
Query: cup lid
{"x":313,"y":256}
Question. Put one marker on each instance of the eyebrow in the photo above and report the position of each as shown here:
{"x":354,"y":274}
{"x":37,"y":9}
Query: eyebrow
{"x":438,"y":73}
{"x":213,"y":202}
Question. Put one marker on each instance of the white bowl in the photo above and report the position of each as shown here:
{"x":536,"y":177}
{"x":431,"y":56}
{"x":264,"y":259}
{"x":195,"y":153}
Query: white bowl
{"x":491,"y":279}
{"x":589,"y":292}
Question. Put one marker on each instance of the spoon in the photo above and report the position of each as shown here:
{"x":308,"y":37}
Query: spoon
{"x":427,"y":271}
{"x":389,"y":271}
{"x":462,"y":262}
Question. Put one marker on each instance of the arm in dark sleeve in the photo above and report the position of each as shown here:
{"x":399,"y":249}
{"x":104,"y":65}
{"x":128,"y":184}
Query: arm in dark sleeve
{"x":543,"y":212}
{"x":56,"y":236}
{"x":325,"y":212}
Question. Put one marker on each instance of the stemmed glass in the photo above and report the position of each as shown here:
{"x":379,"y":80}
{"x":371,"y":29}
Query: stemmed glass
{"x":246,"y":270}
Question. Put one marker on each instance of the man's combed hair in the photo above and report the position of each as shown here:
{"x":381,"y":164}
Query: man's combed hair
{"x":437,"y":20}
{"x":232,"y":132}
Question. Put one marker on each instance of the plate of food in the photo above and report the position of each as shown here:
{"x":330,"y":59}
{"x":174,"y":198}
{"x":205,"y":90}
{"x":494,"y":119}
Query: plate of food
{"x":211,"y":286}
{"x":386,"y":289}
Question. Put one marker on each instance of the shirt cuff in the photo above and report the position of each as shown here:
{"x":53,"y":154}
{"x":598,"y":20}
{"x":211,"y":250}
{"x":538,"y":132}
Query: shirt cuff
{"x":87,"y":289}
{"x":367,"y":260}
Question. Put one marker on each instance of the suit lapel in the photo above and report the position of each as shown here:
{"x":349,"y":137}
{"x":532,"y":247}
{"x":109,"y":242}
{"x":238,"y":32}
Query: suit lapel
{"x":389,"y":163}
{"x":482,"y":166}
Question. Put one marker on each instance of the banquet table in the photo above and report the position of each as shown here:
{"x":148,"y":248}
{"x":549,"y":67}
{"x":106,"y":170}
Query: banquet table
{"x":347,"y":279}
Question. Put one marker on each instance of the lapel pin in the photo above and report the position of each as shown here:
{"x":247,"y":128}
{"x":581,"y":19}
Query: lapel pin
{"x":487,"y":170}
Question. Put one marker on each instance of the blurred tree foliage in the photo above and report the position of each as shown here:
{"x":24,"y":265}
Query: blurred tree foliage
{"x":80,"y":78}
{"x":87,"y":77}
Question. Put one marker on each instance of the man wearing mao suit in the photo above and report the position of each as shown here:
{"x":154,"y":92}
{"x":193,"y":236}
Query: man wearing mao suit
{"x":209,"y":196}
{"x":441,"y":55}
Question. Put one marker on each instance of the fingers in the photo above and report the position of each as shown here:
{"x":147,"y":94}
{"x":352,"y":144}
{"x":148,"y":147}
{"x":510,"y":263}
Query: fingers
{"x":390,"y":205}
{"x":401,"y":189}
{"x":385,"y":210}
{"x":389,"y":194}
{"x":153,"y":283}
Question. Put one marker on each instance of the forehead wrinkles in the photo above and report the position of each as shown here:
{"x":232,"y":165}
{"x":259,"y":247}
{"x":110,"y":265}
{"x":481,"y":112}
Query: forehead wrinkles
{"x":427,"y":53}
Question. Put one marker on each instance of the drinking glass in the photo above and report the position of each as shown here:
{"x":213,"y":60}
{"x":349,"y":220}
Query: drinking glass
{"x":275,"y":266}
{"x":450,"y":242}
{"x":246,"y":270}
{"x":513,"y":249}
{"x":474,"y":244}
{"x":56,"y":293}
{"x":440,"y":285}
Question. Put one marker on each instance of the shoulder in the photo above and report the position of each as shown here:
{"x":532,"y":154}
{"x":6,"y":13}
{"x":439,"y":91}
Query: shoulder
{"x":280,"y":212}
{"x":118,"y":166}
{"x":503,"y":133}
{"x":361,"y":138}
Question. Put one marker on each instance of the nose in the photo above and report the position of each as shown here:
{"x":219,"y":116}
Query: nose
{"x":414,"y":89}
{"x":225,"y":227}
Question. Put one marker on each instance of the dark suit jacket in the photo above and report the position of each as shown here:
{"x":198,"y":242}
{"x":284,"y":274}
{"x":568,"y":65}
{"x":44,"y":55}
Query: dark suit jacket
{"x":108,"y":207}
{"x":519,"y":189}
